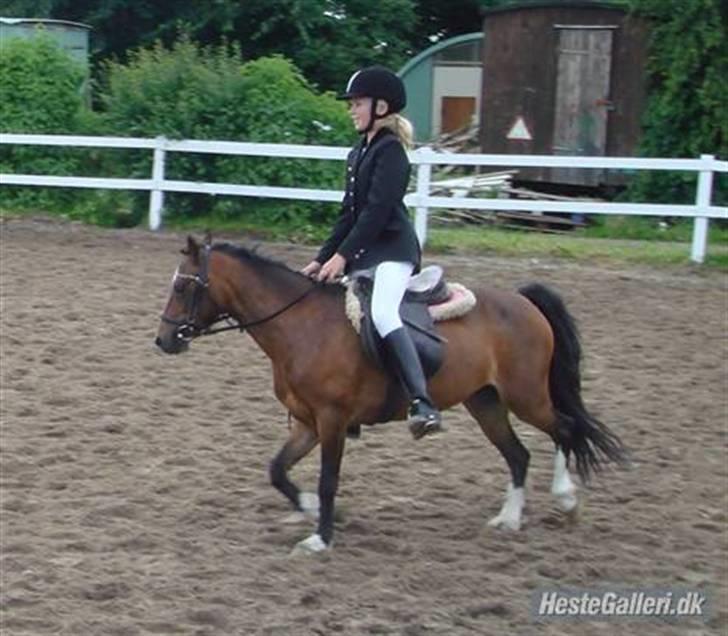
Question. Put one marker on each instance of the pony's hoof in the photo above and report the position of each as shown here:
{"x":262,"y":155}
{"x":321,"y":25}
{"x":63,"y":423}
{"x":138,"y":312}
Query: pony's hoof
{"x":502,"y":522}
{"x":573,"y":515}
{"x":312,"y":545}
{"x":309,"y":504}
{"x":566,"y":500}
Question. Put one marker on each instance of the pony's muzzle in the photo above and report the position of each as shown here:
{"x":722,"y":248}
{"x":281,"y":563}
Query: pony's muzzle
{"x":175,"y":344}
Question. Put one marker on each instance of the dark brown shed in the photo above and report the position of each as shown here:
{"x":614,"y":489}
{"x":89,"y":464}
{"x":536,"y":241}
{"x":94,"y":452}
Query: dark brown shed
{"x":563,"y":77}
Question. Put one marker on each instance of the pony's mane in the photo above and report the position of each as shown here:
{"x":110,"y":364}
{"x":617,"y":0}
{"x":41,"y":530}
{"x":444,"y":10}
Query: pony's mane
{"x":248,"y":255}
{"x":252,"y":256}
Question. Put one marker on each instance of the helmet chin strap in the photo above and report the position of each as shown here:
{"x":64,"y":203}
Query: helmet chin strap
{"x":373,"y":116}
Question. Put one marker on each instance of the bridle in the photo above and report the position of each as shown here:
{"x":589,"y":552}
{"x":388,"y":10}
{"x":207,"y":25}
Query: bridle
{"x":187,"y":327}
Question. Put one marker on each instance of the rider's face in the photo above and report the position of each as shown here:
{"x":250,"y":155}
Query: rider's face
{"x":360,"y":109}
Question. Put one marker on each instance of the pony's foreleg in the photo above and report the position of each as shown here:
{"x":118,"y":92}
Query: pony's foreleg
{"x":332,"y":438}
{"x":492,"y":416}
{"x":562,"y":488}
{"x":300,"y":441}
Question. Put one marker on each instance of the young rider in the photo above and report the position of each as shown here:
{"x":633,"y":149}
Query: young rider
{"x":374,"y":229}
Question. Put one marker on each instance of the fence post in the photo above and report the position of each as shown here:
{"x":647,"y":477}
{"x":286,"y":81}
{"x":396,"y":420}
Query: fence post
{"x":424,"y":171}
{"x":702,"y":201}
{"x":156,"y":198}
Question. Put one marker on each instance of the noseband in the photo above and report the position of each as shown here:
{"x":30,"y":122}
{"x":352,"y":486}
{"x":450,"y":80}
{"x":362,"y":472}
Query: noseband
{"x":187,"y":327}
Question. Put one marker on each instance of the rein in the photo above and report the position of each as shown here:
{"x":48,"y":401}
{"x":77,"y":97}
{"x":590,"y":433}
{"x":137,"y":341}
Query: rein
{"x":253,"y":323}
{"x":188,"y":328}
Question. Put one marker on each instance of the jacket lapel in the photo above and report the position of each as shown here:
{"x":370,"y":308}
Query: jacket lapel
{"x":363,"y":161}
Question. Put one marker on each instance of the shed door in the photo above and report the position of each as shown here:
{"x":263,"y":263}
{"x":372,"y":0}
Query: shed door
{"x":582,"y":98}
{"x":457,"y":112}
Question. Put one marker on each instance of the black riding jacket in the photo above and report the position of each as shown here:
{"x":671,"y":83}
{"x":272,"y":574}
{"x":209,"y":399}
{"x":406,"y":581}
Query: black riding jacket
{"x":374,"y":226}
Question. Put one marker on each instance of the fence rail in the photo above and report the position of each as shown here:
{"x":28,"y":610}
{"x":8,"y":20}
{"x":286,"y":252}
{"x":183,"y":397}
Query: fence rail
{"x":423,"y":158}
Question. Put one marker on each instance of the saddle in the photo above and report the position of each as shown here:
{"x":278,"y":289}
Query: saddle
{"x":428,"y":299}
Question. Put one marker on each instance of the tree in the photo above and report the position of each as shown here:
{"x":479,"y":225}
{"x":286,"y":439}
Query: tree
{"x":326,"y":39}
{"x":687,"y":110}
{"x":439,"y":20}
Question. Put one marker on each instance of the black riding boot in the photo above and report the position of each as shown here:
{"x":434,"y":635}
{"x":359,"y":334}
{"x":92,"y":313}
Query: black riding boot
{"x":423,"y":418}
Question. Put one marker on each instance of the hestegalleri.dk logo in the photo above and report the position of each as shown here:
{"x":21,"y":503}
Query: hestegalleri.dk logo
{"x":608,"y":604}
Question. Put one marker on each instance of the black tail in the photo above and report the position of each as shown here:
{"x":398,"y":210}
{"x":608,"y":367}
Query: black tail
{"x":577,"y":430}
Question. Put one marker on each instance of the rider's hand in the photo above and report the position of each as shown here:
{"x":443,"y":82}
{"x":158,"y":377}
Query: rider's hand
{"x":332,"y":269}
{"x":311,"y":269}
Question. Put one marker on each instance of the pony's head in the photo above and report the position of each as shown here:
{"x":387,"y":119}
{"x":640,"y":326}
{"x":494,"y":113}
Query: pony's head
{"x":190,"y":309}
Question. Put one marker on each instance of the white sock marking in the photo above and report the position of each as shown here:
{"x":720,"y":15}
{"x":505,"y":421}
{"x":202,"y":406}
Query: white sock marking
{"x":509,"y":518}
{"x":562,"y":487}
{"x":309,"y":503}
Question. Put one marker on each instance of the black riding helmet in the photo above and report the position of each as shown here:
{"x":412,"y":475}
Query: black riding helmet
{"x":377,"y":82}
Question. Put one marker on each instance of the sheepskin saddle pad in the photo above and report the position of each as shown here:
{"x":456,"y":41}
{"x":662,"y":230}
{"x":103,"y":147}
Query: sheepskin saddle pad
{"x":429,"y":299}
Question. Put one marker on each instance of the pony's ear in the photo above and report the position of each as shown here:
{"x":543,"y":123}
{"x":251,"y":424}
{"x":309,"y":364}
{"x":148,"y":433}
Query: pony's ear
{"x":192,"y":250}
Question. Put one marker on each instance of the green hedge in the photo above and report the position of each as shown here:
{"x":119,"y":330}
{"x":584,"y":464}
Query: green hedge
{"x":191,"y":92}
{"x":41,"y":88}
{"x":185,"y":92}
{"x":41,"y":91}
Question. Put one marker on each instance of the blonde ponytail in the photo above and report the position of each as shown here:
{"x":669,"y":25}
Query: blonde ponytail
{"x":402,"y":127}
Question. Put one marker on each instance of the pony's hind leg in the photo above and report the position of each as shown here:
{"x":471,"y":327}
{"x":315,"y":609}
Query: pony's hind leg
{"x":492,"y":416}
{"x":541,"y":415}
{"x":301,"y":440}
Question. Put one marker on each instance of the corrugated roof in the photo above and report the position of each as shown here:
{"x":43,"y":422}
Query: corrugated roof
{"x":12,"y":21}
{"x":509,"y":5}
{"x":439,"y":46}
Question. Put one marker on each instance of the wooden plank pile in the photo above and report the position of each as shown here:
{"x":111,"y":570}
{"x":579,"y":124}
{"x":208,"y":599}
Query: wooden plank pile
{"x":465,"y":139}
{"x":498,"y":184}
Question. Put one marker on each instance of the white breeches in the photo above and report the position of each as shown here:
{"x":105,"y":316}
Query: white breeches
{"x":390,"y":283}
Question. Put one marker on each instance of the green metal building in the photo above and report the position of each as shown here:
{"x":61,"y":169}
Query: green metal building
{"x":443,"y":86}
{"x":73,"y":37}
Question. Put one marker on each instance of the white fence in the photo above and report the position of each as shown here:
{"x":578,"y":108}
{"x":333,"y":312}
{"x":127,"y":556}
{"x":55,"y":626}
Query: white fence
{"x":424,"y":158}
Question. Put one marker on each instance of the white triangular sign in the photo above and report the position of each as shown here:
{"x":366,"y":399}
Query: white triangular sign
{"x":519,"y":130}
